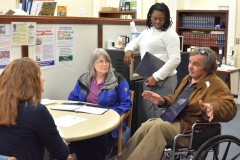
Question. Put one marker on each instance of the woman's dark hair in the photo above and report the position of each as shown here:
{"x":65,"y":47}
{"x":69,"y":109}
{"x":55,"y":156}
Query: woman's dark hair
{"x":165,"y":10}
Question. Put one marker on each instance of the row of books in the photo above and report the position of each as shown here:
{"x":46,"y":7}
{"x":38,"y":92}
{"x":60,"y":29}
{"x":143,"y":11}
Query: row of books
{"x":200,"y":21}
{"x":210,"y":38}
{"x":36,"y":8}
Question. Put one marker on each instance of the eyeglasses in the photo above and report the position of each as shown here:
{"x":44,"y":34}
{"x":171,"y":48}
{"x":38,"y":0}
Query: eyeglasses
{"x":102,"y":62}
{"x":203,"y":50}
{"x":155,"y":19}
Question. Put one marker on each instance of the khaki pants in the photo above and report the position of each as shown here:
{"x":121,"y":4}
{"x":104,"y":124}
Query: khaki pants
{"x":149,"y":140}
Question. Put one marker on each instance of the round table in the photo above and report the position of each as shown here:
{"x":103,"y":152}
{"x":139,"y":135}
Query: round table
{"x":94,"y":126}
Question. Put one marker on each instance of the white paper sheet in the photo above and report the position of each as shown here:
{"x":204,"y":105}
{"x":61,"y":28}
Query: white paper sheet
{"x":64,"y":107}
{"x":46,"y":101}
{"x":68,"y":120}
{"x":133,"y":27}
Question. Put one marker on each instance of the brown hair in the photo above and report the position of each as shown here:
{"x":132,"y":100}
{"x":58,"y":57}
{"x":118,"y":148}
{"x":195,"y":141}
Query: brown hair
{"x":210,"y":65}
{"x":20,"y":81}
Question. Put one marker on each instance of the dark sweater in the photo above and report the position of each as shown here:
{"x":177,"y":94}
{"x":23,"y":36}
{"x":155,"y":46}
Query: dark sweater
{"x":35,"y":129}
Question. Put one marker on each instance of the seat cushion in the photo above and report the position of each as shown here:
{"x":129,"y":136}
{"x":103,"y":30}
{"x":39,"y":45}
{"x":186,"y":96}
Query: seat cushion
{"x":125,"y":136}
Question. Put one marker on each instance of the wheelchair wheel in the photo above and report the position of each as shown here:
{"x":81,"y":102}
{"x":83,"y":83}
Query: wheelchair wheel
{"x":221,"y":147}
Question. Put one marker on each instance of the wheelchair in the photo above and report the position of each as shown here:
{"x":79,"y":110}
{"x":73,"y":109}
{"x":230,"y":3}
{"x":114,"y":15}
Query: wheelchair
{"x":205,"y":141}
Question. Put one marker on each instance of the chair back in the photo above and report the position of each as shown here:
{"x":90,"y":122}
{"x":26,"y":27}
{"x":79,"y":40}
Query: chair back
{"x":123,"y":137}
{"x":182,"y":69}
{"x":129,"y":119}
{"x":201,"y":132}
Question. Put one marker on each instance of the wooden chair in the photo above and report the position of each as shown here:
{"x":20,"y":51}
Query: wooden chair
{"x":124,"y":136}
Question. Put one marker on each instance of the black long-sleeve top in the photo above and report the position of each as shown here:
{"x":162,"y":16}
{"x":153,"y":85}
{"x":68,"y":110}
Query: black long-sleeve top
{"x":35,"y":129}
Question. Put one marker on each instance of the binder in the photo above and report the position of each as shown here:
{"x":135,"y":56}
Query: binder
{"x":148,"y":65}
{"x":173,"y":110}
{"x":80,"y":107}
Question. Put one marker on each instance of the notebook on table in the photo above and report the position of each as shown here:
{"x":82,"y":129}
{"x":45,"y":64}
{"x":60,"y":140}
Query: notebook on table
{"x":148,"y":65}
{"x":80,"y":107}
{"x":173,"y":110}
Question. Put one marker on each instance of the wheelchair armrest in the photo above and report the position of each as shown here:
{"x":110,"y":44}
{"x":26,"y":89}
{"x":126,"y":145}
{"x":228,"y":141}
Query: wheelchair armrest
{"x":151,"y":119}
{"x":201,"y":120}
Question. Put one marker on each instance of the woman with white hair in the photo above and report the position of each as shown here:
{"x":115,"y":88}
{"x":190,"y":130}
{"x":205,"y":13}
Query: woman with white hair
{"x":103,"y":86}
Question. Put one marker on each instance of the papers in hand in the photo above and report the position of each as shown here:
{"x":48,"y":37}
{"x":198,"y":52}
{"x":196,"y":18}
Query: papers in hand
{"x":133,"y":27}
{"x":80,"y":107}
{"x":173,"y":110}
{"x":148,"y":65}
{"x":68,"y":120}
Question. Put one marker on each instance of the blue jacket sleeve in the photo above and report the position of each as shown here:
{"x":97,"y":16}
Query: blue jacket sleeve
{"x":124,"y":102}
{"x":76,"y":94}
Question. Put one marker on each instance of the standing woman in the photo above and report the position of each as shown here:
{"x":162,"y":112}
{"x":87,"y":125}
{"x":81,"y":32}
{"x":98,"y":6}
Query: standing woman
{"x":100,"y":85}
{"x":163,"y":42}
{"x":26,"y":126}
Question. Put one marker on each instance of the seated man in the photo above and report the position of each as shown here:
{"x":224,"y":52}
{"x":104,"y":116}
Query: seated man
{"x":209,"y":98}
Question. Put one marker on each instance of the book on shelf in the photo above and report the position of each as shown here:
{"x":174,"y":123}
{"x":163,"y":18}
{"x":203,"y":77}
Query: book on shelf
{"x":36,"y":7}
{"x":200,"y":21}
{"x":48,"y":9}
{"x":24,"y":4}
{"x":205,"y":38}
{"x":81,"y":107}
{"x":29,"y":6}
{"x":61,"y":10}
{"x":16,"y":12}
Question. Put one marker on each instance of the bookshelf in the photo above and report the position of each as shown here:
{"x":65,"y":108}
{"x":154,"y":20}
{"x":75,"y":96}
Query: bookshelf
{"x":198,"y":29}
{"x":116,"y":14}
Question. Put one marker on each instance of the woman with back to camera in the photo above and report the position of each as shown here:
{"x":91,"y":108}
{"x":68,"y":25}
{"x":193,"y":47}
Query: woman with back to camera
{"x":26,"y":126}
{"x":100,"y":85}
{"x":163,"y":42}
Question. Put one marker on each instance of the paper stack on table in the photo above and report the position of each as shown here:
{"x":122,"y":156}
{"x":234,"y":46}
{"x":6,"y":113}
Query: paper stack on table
{"x":68,"y":120}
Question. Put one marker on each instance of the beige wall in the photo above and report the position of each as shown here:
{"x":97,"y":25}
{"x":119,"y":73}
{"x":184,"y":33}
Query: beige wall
{"x":88,"y":5}
{"x":237,"y":34}
{"x":208,"y":4}
{"x":73,"y":5}
{"x":10,"y":4}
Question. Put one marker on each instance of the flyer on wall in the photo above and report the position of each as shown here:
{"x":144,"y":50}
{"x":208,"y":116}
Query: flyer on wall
{"x":65,"y":50}
{"x":5,"y":45}
{"x":23,"y":33}
{"x":43,"y":51}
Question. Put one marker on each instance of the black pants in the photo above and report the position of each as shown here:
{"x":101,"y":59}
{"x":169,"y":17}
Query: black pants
{"x":91,"y":149}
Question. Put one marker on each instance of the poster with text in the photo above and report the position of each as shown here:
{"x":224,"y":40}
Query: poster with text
{"x":65,"y":49}
{"x":43,"y":51}
{"x":5,"y":45}
{"x":23,"y":33}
